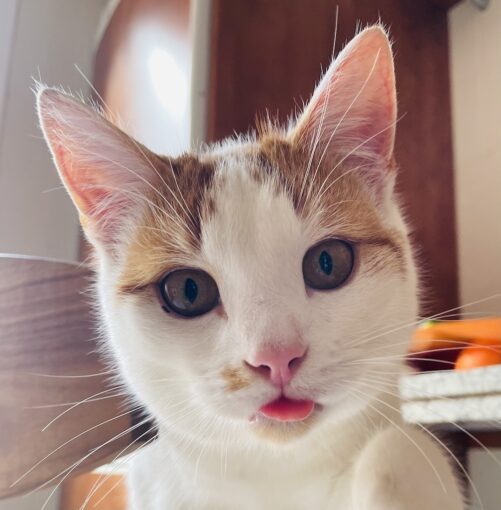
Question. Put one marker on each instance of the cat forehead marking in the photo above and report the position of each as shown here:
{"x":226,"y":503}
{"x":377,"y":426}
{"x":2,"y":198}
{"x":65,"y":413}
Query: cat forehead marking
{"x":169,"y":231}
{"x":216,"y":186}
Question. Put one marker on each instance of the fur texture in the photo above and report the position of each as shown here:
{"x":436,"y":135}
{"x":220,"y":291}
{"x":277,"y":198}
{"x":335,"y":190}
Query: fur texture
{"x":246,"y":212}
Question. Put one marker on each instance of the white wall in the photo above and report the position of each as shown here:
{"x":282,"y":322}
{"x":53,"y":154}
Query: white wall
{"x":7,"y":25}
{"x":475,"y":38}
{"x":46,"y":38}
{"x":475,"y":49}
{"x":200,"y":28}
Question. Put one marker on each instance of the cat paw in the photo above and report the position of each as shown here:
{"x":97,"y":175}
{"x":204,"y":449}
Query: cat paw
{"x":404,"y":469}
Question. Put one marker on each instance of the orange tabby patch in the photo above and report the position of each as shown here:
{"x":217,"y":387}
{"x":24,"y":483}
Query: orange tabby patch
{"x":344,"y":206}
{"x":235,"y":378}
{"x":169,"y":233}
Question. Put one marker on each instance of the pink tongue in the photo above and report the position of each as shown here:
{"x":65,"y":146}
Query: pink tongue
{"x":286,"y":409}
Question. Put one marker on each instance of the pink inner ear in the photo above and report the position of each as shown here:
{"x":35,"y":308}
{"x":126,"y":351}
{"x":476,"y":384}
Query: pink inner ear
{"x":104,"y":171}
{"x":90,"y":188}
{"x":354,"y":106}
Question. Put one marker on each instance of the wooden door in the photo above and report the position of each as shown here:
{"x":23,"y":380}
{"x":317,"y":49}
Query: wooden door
{"x":268,"y":55}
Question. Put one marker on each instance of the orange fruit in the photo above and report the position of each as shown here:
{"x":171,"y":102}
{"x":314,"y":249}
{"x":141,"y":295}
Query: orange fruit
{"x":478,"y":356}
{"x":487,"y":341}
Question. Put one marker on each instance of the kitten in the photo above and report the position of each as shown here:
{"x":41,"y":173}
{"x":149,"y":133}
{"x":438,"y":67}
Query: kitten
{"x":253,"y":297}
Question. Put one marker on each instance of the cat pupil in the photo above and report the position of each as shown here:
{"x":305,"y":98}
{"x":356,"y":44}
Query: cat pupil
{"x":190,"y":290}
{"x":325,"y":261}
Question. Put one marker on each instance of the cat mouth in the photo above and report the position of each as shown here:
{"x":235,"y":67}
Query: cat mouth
{"x":284,"y":409}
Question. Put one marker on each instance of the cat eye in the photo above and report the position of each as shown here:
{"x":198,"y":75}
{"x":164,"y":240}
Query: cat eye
{"x":188,"y":292}
{"x":328,"y":264}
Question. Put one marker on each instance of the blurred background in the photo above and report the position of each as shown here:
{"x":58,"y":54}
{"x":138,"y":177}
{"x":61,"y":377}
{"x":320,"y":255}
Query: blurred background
{"x":175,"y":73}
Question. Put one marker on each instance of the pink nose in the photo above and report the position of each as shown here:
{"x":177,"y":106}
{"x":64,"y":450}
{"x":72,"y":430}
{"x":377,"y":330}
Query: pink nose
{"x":279,"y":364}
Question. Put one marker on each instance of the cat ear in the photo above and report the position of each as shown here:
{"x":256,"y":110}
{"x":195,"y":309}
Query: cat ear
{"x":102,"y":168}
{"x":352,"y":112}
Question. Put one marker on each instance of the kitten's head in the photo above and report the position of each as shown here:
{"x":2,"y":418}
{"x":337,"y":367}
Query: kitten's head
{"x":251,"y":287}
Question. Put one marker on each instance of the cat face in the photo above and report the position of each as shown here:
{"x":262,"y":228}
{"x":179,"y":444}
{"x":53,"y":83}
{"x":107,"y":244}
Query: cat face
{"x":248,"y":289}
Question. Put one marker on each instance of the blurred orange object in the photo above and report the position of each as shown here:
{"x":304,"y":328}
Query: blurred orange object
{"x":449,"y":334}
{"x":97,"y":491}
{"x":476,"y":356}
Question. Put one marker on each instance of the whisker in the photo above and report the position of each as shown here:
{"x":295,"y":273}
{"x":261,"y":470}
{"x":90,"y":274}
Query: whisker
{"x":66,"y":404}
{"x":115,"y":485}
{"x":416,"y":323}
{"x":55,"y":188}
{"x":76,"y":405}
{"x":455,"y":345}
{"x":325,"y":104}
{"x":109,"y":491}
{"x":400,"y":429}
{"x":58,"y":376}
{"x":102,"y":480}
{"x":83,"y":459}
{"x":66,"y":443}
{"x":413,"y":323}
{"x":391,"y":360}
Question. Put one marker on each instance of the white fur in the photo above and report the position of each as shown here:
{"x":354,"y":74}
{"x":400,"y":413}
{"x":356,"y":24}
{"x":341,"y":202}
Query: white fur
{"x":207,"y":454}
{"x":358,"y":454}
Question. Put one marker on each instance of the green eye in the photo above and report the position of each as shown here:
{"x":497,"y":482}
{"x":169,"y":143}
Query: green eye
{"x":328,"y":264}
{"x":188,"y":292}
